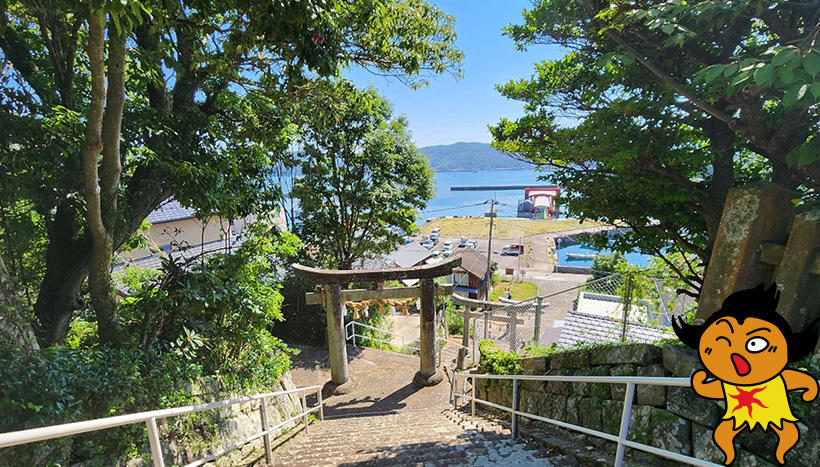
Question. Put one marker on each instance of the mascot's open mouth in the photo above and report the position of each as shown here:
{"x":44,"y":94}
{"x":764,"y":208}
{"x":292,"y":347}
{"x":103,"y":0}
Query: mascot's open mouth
{"x":741,"y":365}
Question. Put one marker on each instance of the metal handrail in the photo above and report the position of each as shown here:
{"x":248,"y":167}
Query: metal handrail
{"x":620,"y":439}
{"x":14,"y":438}
{"x":351,"y":336}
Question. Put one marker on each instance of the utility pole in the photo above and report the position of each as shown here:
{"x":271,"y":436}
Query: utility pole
{"x":490,"y":245}
{"x":520,"y":253}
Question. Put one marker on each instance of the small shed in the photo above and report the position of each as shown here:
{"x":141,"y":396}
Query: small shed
{"x":472,"y":276}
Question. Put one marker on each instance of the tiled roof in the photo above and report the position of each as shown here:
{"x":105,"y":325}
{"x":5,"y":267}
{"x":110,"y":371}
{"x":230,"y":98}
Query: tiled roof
{"x":591,"y":329}
{"x":473,"y":262}
{"x":169,"y":212}
{"x":155,"y":261}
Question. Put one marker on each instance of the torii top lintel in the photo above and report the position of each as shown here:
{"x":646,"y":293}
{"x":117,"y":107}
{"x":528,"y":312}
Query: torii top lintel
{"x":343,"y":276}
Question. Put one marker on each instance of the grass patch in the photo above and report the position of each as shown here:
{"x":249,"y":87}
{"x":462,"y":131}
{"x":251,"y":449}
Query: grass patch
{"x":504,"y":227}
{"x":520,"y":290}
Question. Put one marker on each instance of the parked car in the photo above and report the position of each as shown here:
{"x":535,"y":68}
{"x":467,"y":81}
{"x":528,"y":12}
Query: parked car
{"x":506,"y":250}
{"x":517,"y":249}
{"x":447,"y":253}
{"x":427,"y":244}
{"x":472,"y":244}
{"x":436,"y":253}
{"x":436,"y":230}
{"x":463,"y":242}
{"x":434,"y":235}
{"x":408,"y":240}
{"x":448,"y":245}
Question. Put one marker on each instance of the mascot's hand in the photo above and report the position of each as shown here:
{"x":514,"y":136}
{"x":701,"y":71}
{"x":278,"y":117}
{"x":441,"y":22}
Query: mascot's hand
{"x":811,"y":393}
{"x":698,"y":380}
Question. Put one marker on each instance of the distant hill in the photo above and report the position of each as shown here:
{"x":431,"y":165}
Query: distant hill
{"x":462,"y":157}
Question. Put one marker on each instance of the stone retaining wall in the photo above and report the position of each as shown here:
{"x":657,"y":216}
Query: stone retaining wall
{"x":235,"y":423}
{"x":671,"y":418}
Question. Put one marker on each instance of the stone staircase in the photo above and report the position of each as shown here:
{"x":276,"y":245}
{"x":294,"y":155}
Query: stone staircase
{"x":431,"y":437}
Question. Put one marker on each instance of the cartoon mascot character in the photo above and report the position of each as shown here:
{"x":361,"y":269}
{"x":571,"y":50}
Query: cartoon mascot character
{"x":746,"y":346}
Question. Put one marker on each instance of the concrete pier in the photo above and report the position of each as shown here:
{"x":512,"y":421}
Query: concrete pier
{"x":498,"y":187}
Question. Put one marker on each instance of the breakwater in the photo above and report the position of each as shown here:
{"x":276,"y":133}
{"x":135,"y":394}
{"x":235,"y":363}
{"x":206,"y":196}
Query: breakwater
{"x":498,"y":187}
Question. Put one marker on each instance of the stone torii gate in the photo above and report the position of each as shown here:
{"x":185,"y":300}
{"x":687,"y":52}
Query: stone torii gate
{"x":332,"y":298}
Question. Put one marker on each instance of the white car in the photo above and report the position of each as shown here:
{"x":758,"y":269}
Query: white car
{"x":448,"y":245}
{"x":506,"y":250}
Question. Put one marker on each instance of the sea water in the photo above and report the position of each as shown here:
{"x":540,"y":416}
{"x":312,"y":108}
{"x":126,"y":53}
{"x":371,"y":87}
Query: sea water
{"x":463,"y":203}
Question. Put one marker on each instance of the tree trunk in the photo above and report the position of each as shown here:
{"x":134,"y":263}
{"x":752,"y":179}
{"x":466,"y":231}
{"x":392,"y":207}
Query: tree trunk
{"x":101,"y":203}
{"x":14,"y":325}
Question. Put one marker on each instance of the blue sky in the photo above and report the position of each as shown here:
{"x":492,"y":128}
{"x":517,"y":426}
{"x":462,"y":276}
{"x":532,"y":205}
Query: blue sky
{"x":449,"y":110}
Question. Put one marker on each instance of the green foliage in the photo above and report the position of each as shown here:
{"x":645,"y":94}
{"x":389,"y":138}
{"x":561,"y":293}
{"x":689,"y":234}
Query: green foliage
{"x":455,"y":322}
{"x":606,"y":264}
{"x":534,"y":349}
{"x":209,"y":318}
{"x":214,"y":309}
{"x":646,"y":120}
{"x":361,"y":175}
{"x":209,"y":111}
{"x":497,"y":362}
{"x":384,"y":326}
{"x":83,"y":383}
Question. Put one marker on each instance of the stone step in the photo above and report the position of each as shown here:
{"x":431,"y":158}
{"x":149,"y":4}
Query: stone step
{"x":429,"y":438}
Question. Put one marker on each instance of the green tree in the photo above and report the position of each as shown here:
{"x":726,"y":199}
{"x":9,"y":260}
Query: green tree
{"x":361,"y":175}
{"x":206,"y":89}
{"x":675,"y":103}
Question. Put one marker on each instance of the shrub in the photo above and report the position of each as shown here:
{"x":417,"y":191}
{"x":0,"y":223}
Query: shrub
{"x":382,"y":322}
{"x":497,"y":362}
{"x":191,"y":320}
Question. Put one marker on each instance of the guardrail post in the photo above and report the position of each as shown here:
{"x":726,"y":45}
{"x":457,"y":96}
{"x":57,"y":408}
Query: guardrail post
{"x":304,"y":410}
{"x":263,"y":410}
{"x":625,"y":416}
{"x":475,"y":344}
{"x":515,"y":405}
{"x":537,"y":333}
{"x":472,"y":397}
{"x":453,"y":389}
{"x":321,"y":405}
{"x":153,"y":441}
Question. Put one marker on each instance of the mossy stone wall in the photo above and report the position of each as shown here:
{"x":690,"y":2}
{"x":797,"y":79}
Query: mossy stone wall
{"x":671,"y":418}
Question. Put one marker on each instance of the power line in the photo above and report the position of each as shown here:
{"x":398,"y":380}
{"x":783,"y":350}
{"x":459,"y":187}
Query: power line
{"x":457,"y":207}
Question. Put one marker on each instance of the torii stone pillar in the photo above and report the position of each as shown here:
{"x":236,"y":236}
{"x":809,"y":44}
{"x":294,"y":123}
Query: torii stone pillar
{"x":427,"y":374}
{"x":333,"y":297}
{"x":339,"y":376}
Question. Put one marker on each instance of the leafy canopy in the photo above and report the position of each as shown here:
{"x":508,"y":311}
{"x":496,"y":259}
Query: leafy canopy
{"x":361,"y":175}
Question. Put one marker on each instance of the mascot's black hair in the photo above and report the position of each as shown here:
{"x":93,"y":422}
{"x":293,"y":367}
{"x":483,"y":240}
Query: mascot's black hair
{"x":759,"y":303}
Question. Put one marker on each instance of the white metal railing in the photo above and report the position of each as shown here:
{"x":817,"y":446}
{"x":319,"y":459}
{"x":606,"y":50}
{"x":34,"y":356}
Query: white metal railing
{"x":150,"y":418}
{"x":351,"y":335}
{"x":620,"y":439}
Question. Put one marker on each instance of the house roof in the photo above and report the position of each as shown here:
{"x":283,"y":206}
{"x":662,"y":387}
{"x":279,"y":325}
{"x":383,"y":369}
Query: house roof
{"x":473,"y":262}
{"x":170,"y":211}
{"x":593,"y":329}
{"x":155,"y":261}
{"x":405,"y":257}
{"x":409,"y":255}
